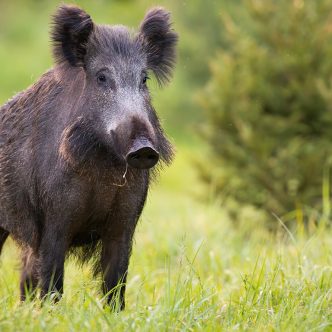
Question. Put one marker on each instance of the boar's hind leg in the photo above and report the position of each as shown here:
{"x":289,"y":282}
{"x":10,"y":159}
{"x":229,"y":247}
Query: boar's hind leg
{"x":51,"y":259}
{"x":3,"y":236}
{"x":29,"y":274}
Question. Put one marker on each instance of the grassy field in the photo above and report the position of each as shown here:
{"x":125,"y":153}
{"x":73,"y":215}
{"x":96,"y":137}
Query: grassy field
{"x":191,"y":269}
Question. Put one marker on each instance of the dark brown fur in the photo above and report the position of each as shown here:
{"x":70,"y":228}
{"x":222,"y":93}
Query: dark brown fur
{"x":62,"y":189}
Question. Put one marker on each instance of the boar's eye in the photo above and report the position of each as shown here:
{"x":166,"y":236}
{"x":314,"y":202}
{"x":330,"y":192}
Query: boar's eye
{"x":101,"y":79}
{"x":104,"y":79}
{"x":145,"y":78}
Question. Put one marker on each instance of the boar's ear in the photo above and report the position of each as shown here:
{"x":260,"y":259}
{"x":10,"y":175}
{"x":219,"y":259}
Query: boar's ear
{"x":159,"y":42}
{"x":71,"y":28}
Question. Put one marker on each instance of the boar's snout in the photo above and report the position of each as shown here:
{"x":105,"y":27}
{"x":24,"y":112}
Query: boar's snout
{"x":142,"y":154}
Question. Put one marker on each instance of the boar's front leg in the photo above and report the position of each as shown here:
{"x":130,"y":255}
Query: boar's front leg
{"x":114,"y":262}
{"x":117,"y":238}
{"x":52,"y":252}
{"x":117,"y":242}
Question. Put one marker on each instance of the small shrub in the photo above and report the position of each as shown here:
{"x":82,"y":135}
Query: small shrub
{"x":268,"y":107}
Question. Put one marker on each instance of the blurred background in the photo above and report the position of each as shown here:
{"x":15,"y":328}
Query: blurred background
{"x":250,"y":106}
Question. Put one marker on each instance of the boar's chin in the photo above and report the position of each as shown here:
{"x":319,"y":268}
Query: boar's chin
{"x":81,"y":147}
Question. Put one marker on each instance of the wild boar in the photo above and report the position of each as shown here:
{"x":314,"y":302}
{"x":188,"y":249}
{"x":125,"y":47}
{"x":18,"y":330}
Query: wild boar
{"x":79,"y":148}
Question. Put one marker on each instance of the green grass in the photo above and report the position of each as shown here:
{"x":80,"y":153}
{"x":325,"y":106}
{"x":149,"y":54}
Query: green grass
{"x":191,"y":269}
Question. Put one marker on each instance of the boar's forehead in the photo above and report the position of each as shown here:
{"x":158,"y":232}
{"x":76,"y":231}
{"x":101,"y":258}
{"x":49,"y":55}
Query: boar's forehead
{"x":116,"y":48}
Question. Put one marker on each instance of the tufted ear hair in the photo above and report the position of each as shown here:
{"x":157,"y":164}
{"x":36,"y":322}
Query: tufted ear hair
{"x":159,"y":42}
{"x":71,"y":28}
